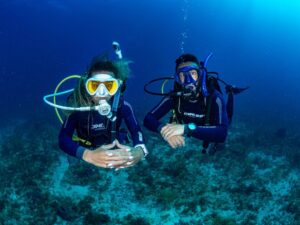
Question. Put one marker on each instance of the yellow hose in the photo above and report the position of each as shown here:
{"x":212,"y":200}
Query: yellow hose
{"x":55,"y":91}
{"x":74,"y":138}
{"x":163,"y":86}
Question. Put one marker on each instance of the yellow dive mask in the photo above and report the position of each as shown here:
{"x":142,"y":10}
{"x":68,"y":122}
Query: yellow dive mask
{"x":102,"y":85}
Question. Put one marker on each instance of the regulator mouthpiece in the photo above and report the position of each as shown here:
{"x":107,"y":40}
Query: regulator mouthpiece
{"x":104,"y":108}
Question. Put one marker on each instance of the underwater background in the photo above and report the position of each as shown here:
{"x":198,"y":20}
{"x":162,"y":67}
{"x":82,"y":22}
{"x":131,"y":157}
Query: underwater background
{"x":255,"y":180}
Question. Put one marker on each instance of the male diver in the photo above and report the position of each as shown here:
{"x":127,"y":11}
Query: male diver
{"x":199,"y":109}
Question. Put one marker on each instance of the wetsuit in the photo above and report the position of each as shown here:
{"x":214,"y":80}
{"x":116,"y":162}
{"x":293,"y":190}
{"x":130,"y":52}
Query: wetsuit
{"x":96,"y":129}
{"x":212,"y":129}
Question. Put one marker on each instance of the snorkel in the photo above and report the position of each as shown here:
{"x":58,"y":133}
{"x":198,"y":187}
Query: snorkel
{"x":204,"y":75}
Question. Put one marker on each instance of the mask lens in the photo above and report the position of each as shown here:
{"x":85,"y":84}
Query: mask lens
{"x":92,"y":86}
{"x":188,"y":77}
{"x":110,"y":85}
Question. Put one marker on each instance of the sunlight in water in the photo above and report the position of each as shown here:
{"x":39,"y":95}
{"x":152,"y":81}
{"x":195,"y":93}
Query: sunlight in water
{"x":282,"y":10}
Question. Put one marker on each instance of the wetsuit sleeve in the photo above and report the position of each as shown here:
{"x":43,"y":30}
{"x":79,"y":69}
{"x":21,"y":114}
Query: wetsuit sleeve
{"x":132,"y":124}
{"x":151,"y":120}
{"x":65,"y":138}
{"x":217,"y":131}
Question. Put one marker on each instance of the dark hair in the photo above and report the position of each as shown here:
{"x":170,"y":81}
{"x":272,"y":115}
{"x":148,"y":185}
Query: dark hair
{"x":186,"y":58}
{"x":102,"y":66}
{"x":119,"y":68}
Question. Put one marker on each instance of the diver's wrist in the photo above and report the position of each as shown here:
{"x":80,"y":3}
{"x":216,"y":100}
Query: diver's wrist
{"x":143,"y":148}
{"x":87,"y":155}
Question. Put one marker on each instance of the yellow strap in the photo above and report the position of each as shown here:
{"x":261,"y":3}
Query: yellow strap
{"x":74,"y":138}
{"x":78,"y":139}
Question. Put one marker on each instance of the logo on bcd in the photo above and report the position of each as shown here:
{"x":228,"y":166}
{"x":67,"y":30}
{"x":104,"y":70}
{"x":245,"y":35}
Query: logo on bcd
{"x":194,"y":115}
{"x":99,"y":126}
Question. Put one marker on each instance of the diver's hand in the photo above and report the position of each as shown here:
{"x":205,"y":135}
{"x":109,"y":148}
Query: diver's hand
{"x":170,"y":130}
{"x":110,"y":146}
{"x":114,"y":155}
{"x":107,"y":158}
{"x":115,"y":144}
{"x":136,"y":154}
{"x":176,"y":141}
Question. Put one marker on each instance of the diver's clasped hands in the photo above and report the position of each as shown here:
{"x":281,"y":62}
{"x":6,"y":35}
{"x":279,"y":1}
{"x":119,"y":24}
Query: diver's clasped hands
{"x":114,"y":156}
{"x":173,"y":134}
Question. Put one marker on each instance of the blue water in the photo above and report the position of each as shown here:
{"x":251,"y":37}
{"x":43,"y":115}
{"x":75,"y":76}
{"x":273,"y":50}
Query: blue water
{"x":254,"y":43}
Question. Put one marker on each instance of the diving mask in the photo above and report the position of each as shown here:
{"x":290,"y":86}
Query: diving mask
{"x":102,"y":85}
{"x":185,"y":75}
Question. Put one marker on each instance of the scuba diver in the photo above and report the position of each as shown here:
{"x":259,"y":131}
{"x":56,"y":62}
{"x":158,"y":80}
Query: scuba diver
{"x":197,"y":105}
{"x":97,"y":110}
